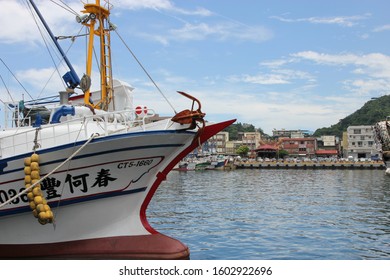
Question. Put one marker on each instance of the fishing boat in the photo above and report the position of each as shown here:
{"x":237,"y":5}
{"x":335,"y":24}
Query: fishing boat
{"x":77,"y":176}
{"x":382,"y":140}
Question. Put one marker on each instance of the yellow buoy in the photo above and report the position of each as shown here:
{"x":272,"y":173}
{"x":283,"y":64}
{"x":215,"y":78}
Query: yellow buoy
{"x":49,"y":215}
{"x":30,"y":196}
{"x":27,"y":170}
{"x":34,"y":181}
{"x":37,"y":191}
{"x":40,"y":208}
{"x":27,"y":179}
{"x":32,"y":205}
{"x":34,"y":158}
{"x":42,"y":215}
{"x":34,"y":174}
{"x":34,"y":166}
{"x":38,"y":200}
{"x":27,"y":161}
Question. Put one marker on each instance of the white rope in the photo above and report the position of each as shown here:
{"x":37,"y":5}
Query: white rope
{"x":50,"y":173}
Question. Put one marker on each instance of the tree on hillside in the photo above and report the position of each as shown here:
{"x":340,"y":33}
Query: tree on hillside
{"x":372,"y":112}
{"x":235,"y":128}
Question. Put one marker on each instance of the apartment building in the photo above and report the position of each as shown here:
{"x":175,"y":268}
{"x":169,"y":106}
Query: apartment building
{"x":300,"y":147}
{"x":360,"y":141}
{"x":220,"y":140}
{"x":295,"y":133}
{"x":251,"y":140}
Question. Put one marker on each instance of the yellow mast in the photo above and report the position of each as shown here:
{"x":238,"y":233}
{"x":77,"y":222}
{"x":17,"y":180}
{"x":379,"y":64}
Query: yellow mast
{"x":98,"y":14}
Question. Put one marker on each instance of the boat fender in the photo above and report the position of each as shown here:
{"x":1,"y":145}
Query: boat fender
{"x":37,"y":202}
{"x":62,"y":112}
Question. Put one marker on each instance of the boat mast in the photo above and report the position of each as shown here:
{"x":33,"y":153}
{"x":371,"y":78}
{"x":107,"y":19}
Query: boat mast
{"x":71,"y":78}
{"x":98,"y":14}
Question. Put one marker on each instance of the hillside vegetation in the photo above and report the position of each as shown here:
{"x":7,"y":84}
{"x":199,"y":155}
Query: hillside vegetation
{"x":372,"y":111}
{"x":235,"y":128}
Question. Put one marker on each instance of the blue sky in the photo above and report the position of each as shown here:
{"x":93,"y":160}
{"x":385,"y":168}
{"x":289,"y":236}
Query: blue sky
{"x":274,"y":64}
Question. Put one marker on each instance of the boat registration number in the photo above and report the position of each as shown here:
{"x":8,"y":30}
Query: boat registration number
{"x":135,"y":163}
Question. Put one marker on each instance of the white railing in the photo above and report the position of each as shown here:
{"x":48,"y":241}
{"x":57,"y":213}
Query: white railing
{"x":74,"y":129}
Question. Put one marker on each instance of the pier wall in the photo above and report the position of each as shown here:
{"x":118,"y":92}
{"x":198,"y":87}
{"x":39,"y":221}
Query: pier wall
{"x":310,"y":165}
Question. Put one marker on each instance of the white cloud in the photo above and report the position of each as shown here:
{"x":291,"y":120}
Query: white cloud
{"x":374,"y":64}
{"x":276,"y":77}
{"x":267,"y":114}
{"x":226,"y":29}
{"x":24,"y":28}
{"x":165,"y":5}
{"x":365,"y":74}
{"x":219,"y":31}
{"x":277,"y":63}
{"x":347,"y":21}
{"x":146,"y":4}
{"x":382,"y":28}
{"x":39,"y":79}
{"x":264,"y":79}
{"x":366,"y":87}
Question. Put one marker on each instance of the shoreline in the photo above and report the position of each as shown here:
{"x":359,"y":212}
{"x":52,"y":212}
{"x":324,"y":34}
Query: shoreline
{"x":310,"y":165}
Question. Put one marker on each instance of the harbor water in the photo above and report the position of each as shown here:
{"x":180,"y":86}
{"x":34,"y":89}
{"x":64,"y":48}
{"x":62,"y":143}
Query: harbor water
{"x":276,"y":214}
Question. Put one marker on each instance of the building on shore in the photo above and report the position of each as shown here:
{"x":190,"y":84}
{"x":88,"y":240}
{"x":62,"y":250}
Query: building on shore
{"x":357,"y":142}
{"x":221,"y":139}
{"x":300,"y":147}
{"x":328,"y":146}
{"x":360,"y":142}
{"x":295,"y":133}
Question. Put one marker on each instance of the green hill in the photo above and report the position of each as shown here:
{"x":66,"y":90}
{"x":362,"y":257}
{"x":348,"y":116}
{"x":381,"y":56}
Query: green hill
{"x":236,"y":128}
{"x":372,"y":111}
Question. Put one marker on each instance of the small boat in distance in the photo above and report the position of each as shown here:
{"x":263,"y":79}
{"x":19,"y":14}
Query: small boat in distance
{"x":214,"y":162}
{"x":77,"y":175}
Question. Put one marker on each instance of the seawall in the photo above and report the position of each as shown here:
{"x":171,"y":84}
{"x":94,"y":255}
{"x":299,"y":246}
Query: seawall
{"x":311,"y":165}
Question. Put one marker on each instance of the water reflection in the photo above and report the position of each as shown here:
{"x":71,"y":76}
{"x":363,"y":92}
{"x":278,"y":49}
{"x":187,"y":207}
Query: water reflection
{"x":277,"y":214}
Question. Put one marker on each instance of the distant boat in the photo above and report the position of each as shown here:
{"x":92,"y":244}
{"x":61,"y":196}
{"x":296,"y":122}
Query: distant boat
{"x":185,"y":166}
{"x":77,"y":175}
{"x":216,"y":163}
{"x":205,"y":163}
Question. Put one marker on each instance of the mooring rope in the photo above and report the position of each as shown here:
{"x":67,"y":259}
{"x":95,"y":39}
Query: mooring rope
{"x":50,"y":173}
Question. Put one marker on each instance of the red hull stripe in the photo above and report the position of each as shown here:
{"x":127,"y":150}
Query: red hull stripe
{"x":208,"y":132}
{"x":156,"y":246}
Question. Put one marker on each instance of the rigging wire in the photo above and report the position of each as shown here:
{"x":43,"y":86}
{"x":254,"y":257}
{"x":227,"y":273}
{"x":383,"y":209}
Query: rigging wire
{"x":45,"y":42}
{"x":65,"y":7}
{"x":69,"y":9}
{"x":7,"y":90}
{"x":146,"y":72}
{"x":15,"y":78}
{"x":60,"y":59}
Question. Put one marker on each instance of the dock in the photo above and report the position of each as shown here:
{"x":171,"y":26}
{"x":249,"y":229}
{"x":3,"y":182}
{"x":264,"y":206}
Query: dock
{"x":310,"y":165}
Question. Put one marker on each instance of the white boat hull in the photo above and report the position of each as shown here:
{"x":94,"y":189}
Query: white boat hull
{"x":103,"y":192}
